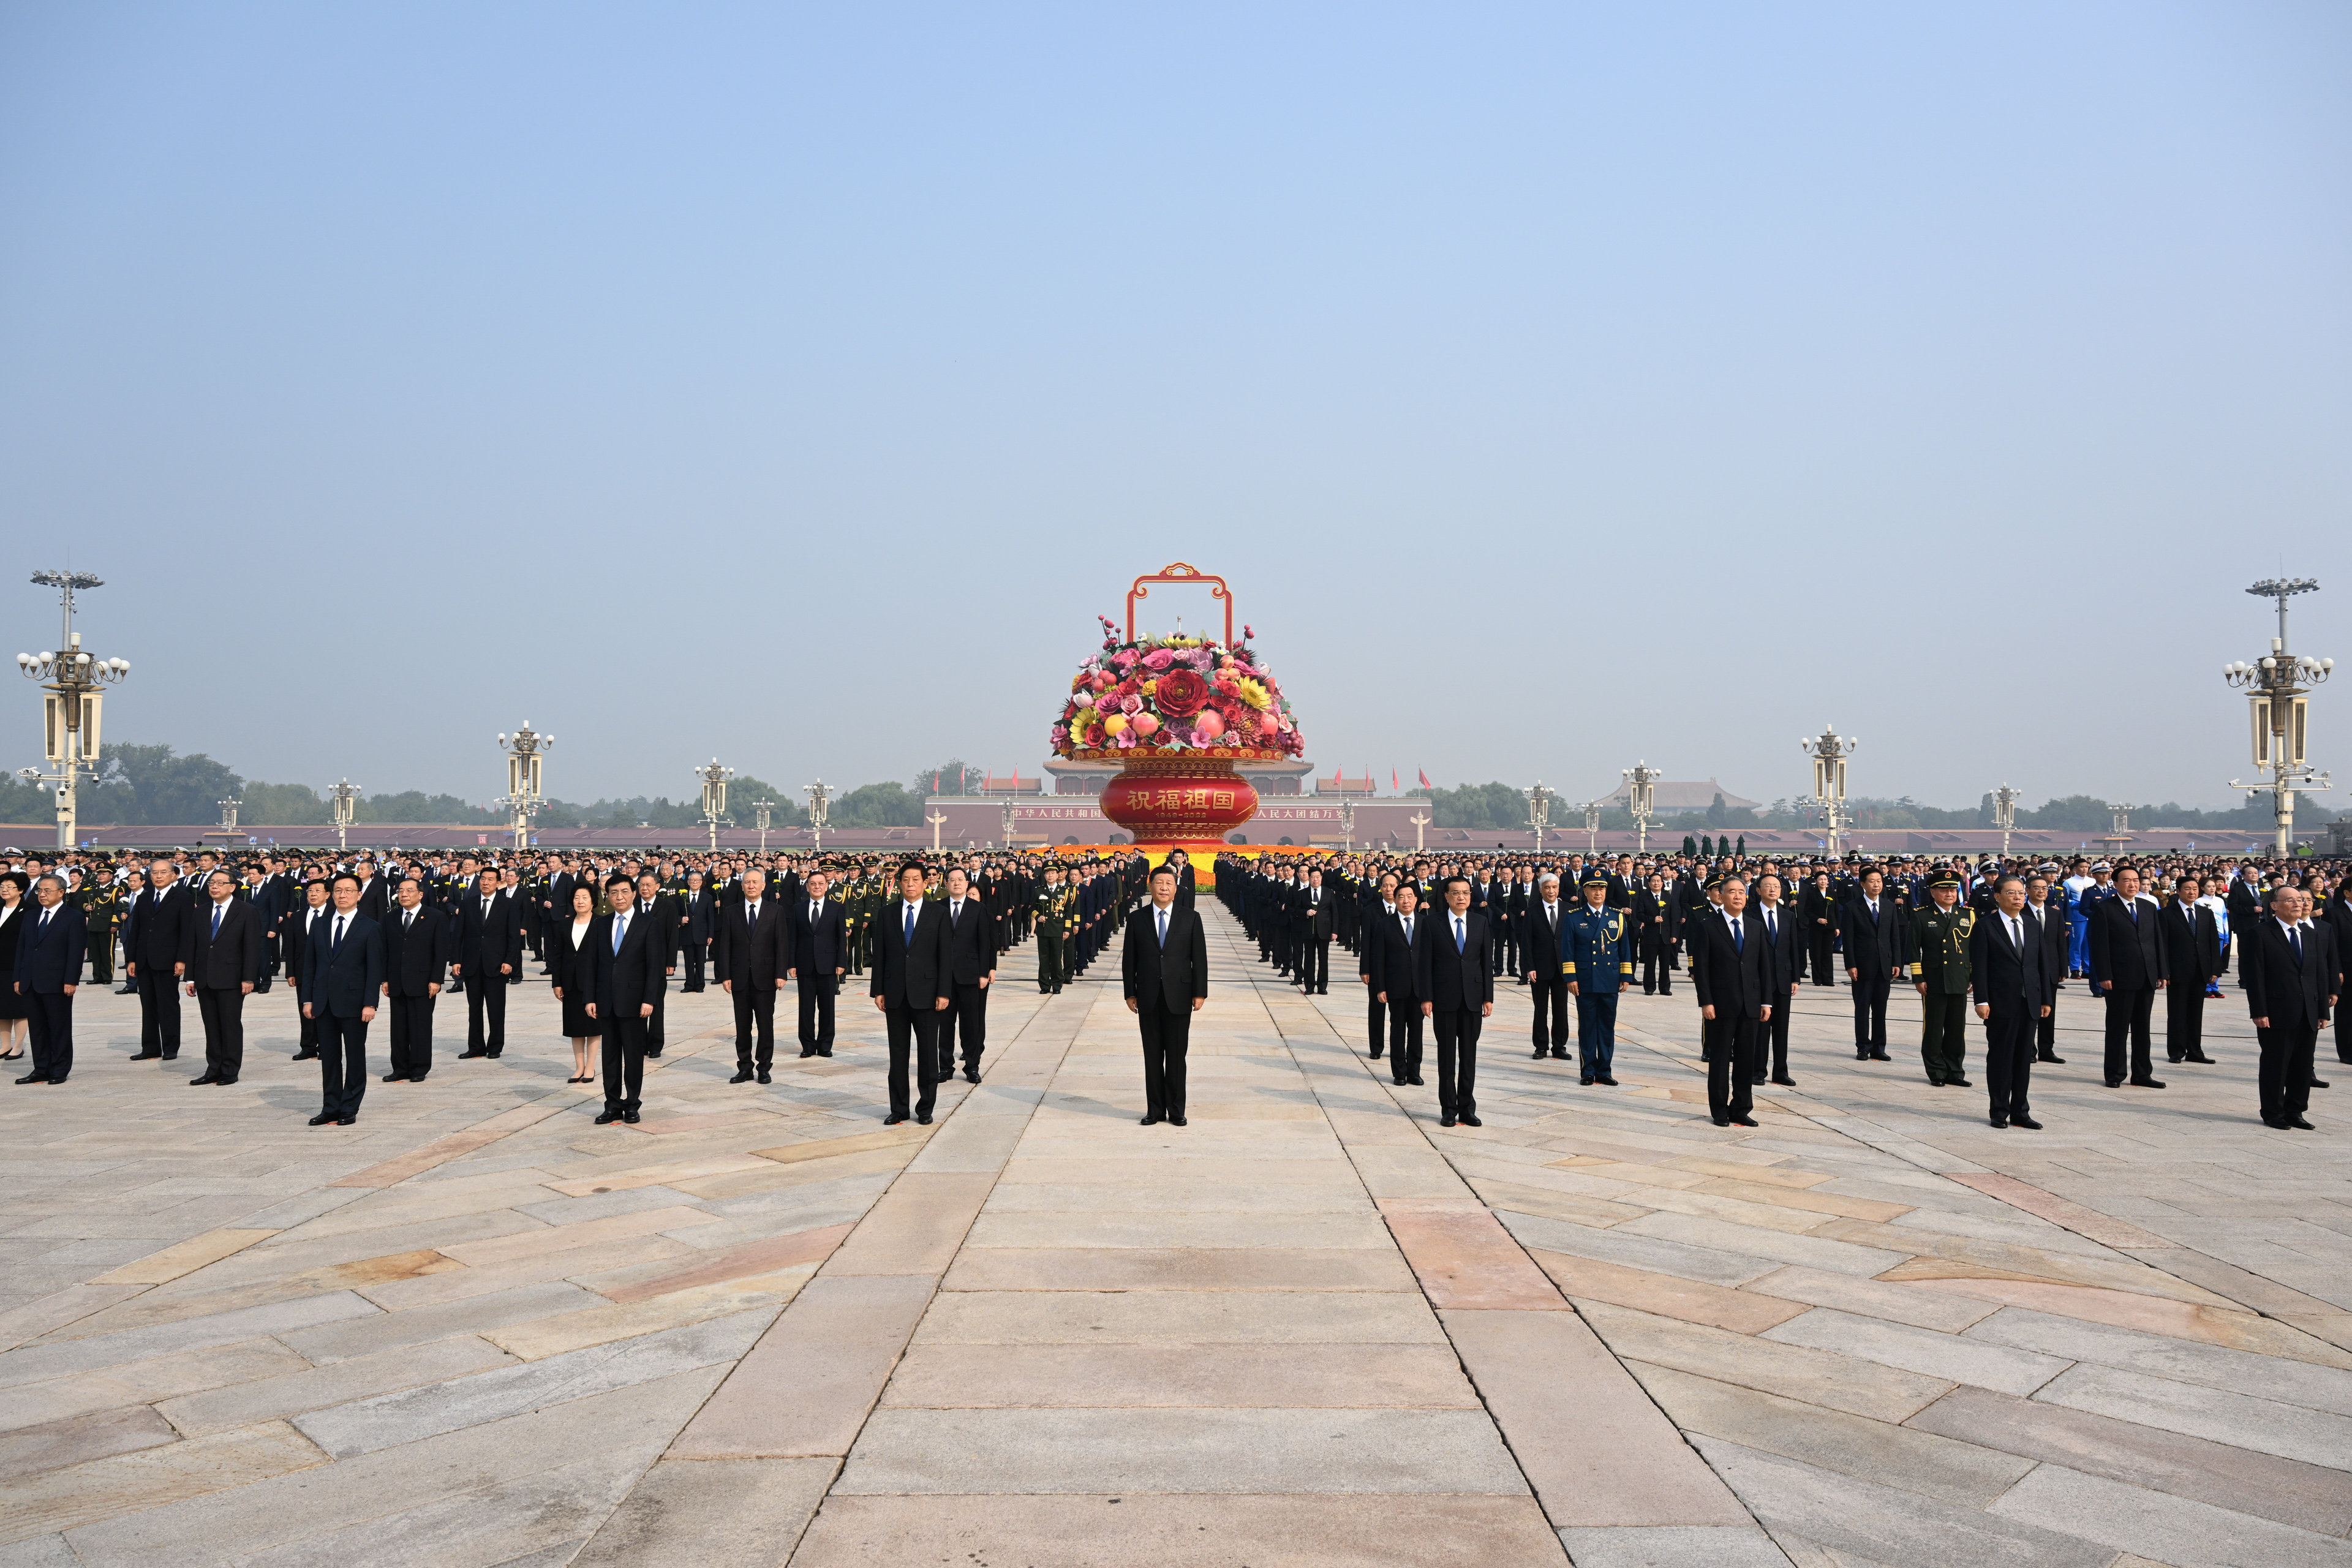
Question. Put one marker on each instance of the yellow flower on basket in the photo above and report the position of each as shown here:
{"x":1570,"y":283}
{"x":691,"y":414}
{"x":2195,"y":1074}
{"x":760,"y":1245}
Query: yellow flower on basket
{"x":1252,"y":692}
{"x":1151,"y":686}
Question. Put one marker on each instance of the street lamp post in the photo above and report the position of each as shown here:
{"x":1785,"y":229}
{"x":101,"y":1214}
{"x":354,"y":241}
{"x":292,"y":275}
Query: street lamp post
{"x":2279,"y":712}
{"x":1008,"y":824}
{"x":1591,"y":827}
{"x":1829,"y":752}
{"x":761,"y":811}
{"x":1348,"y":824}
{"x":714,"y":798}
{"x":344,"y":798}
{"x":819,"y":801}
{"x":2121,"y":816}
{"x":1642,"y":794}
{"x":1540,"y":800}
{"x":2004,"y":816}
{"x":72,"y":680}
{"x":228,"y":814}
{"x":522,"y":798}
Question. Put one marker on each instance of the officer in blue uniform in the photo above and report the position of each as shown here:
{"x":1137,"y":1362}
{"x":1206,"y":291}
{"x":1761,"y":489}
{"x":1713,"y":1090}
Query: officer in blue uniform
{"x":1596,"y":953}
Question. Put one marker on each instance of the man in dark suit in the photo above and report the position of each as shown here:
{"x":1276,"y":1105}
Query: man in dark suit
{"x":1731,"y":971}
{"x":1317,"y":911}
{"x":1539,"y":962}
{"x":316,"y":907}
{"x":2193,"y":955}
{"x":1379,"y":906}
{"x":1164,"y":975}
{"x":2009,"y":957}
{"x":972,"y":969}
{"x":48,"y":969}
{"x":152,"y":936}
{"x":2127,"y":969}
{"x":487,"y":947}
{"x":754,"y":953}
{"x":1391,"y":960}
{"x":555,"y":907}
{"x":222,"y":956}
{"x":2286,"y":969}
{"x":697,"y":914}
{"x":819,"y":955}
{"x":1872,"y":927}
{"x":911,"y":988}
{"x":1784,"y":934}
{"x":1456,"y":982}
{"x":621,"y":970}
{"x":342,"y":973}
{"x":415,"y":946}
{"x":2048,"y":918}
{"x":661,"y":911}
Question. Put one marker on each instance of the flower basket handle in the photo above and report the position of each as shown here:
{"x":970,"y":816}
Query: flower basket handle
{"x":1178,"y":572}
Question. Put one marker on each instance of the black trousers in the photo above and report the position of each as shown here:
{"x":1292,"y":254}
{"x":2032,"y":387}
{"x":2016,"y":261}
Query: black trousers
{"x":1315,"y":963}
{"x":1549,"y":995}
{"x":1658,"y":968}
{"x":817,"y":993}
{"x":487,"y":994}
{"x":2343,"y":1037}
{"x":1870,"y":993}
{"x":755,"y":1022}
{"x":1165,"y":1037}
{"x":1506,"y":948}
{"x":1944,"y":1034}
{"x":1457,"y":1059}
{"x":222,"y":1009}
{"x":1375,"y":1019}
{"x":696,"y":951}
{"x":966,"y":1018}
{"x":2045,"y":1036}
{"x":1825,"y":973}
{"x":1772,"y":1036}
{"x":48,"y":1020}
{"x":2009,"y":1050}
{"x":624,"y":1056}
{"x":913,"y":1031}
{"x":1729,"y":1040}
{"x":411,"y":1049}
{"x":2286,"y":1075}
{"x":654,"y":1039}
{"x":342,"y":1064}
{"x":2184,"y":1020}
{"x":159,"y":1010}
{"x":2128,"y":1014}
{"x":1404,"y":1039}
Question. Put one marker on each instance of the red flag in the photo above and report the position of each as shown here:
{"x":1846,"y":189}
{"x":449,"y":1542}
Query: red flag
{"x":935,"y":781}
{"x":1395,"y":782}
{"x":1425,"y":780}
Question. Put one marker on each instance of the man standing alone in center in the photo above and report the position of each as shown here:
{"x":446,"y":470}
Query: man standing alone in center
{"x":911,"y":986}
{"x":1164,"y":968}
{"x":1457,"y":989}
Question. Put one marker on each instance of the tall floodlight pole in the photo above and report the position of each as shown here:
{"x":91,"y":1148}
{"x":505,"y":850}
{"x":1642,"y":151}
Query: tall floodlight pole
{"x":762,"y":812}
{"x":819,"y":801}
{"x":2004,"y":816}
{"x":73,"y":681}
{"x":714,"y":798}
{"x":2279,"y":712}
{"x":228,"y":814}
{"x":1540,"y":800}
{"x":2121,"y":815}
{"x":1008,"y":824}
{"x":1346,"y":825}
{"x":344,"y":798}
{"x":1829,"y":752}
{"x":522,"y":799}
{"x":1592,"y":827}
{"x":1642,"y":794}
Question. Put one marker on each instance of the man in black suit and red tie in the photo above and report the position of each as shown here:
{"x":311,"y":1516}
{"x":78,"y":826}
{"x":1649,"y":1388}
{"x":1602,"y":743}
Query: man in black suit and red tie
{"x":1731,"y":971}
{"x":754,"y":953}
{"x":2127,"y":969}
{"x":972,"y":969}
{"x":222,"y":957}
{"x":819,"y":955}
{"x":2008,"y":960}
{"x":1164,"y":973}
{"x":910,"y":989}
{"x":2287,"y":968}
{"x":1458,"y":995}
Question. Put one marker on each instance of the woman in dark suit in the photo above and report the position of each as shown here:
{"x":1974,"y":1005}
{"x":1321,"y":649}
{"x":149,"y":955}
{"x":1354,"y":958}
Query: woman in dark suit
{"x":563,"y":950}
{"x":1657,"y":919}
{"x":14,"y":911}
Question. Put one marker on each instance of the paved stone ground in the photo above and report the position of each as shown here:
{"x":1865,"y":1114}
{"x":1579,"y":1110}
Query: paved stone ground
{"x":1311,"y":1328}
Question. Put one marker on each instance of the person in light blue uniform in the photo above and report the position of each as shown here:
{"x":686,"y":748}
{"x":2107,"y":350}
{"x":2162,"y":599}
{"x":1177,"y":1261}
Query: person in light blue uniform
{"x":1596,"y":958}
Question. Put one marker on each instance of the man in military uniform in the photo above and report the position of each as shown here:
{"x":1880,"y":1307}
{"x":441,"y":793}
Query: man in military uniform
{"x":1940,"y":971}
{"x":1047,"y":915}
{"x":1596,"y":959}
{"x":99,"y":899}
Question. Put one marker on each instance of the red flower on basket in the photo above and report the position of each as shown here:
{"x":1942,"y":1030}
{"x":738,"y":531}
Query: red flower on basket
{"x":1180,"y":693}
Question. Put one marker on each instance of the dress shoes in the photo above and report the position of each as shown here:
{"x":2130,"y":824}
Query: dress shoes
{"x":653,"y":1053}
{"x":1153,"y":1120}
{"x":971,"y":1075}
{"x":1720,"y":1120}
{"x":1586,"y":1080}
{"x":742,"y":1075}
{"x":2001,"y":1121}
{"x":1935,"y":1082}
{"x":2280,"y":1122}
{"x":1177,"y":1122}
{"x":347,"y":1121}
{"x":1880,"y":1056}
{"x":1958,"y":1083}
{"x":892,"y":1119}
{"x":147,"y":1057}
{"x":1468,"y":1120}
{"x":34,"y":1078}
{"x":2055,"y":1060}
{"x":763,"y":1075}
{"x":305,"y":1057}
{"x":2298,"y":1121}
{"x":1416,"y":1081}
{"x":1445,"y":1121}
{"x":495,"y":1054}
{"x":322,"y":1119}
{"x":2114,"y":1083}
{"x":2147,"y":1083}
{"x":630,"y":1117}
{"x":208,"y":1077}
{"x":1540,"y":1054}
{"x":824,"y":1050}
{"x":469,"y":1055}
{"x":809,"y":1052}
{"x":2200,"y":1058}
{"x":1605,"y":1080}
{"x":606,"y":1117}
{"x":1401,"y":1082}
{"x":1784,"y":1081}
{"x":394,"y":1077}
{"x":1376,"y":1053}
{"x":2025,"y":1122}
{"x":2318,"y":1083}
{"x":1743,"y":1120}
{"x":1560,"y":1056}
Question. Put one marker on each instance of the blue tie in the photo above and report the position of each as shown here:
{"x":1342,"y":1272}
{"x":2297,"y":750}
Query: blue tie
{"x":1459,"y":944}
{"x":2294,"y":936}
{"x":216,"y":915}
{"x":1163,"y":928}
{"x":1739,"y":934}
{"x":620,"y":928}
{"x":908,"y":941}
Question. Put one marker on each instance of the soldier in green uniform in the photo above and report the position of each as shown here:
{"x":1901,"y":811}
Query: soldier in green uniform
{"x":100,"y":897}
{"x":1047,"y":915}
{"x":1939,"y":969}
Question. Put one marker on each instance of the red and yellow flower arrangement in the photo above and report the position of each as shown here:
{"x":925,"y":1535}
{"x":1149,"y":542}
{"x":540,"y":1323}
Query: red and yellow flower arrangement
{"x":1174,"y":696}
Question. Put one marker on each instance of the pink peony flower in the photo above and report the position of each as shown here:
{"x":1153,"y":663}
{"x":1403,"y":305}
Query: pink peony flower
{"x":1131,"y":704}
{"x":1123,"y":657}
{"x":1159,"y":658}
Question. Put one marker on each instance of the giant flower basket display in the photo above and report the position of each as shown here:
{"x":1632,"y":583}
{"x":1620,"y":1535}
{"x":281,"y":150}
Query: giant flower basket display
{"x":1177,"y":712}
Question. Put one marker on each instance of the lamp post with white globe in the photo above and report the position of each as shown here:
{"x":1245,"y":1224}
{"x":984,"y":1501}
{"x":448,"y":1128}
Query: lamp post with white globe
{"x":524,"y":797}
{"x":1829,"y":752}
{"x":73,"y":681}
{"x":2275,"y":690}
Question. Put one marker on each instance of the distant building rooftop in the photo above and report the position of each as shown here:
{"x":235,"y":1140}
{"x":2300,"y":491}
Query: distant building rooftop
{"x":1670,"y":797}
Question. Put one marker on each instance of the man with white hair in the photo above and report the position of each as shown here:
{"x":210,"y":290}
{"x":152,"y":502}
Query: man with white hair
{"x":1540,"y":962}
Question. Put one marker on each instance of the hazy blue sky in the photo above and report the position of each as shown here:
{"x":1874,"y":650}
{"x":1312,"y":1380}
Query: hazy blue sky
{"x":1557,"y":385}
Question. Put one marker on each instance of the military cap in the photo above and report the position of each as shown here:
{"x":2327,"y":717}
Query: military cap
{"x":1945,"y":881}
{"x":1594,"y":882}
